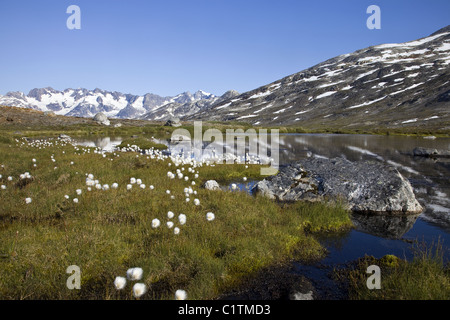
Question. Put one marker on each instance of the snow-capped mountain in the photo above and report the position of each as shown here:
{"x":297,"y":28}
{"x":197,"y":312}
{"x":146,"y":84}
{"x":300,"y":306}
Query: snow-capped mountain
{"x":87,"y":103}
{"x":389,"y":85}
{"x":183,"y":109}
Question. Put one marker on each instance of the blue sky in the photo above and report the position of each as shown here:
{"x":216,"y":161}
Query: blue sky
{"x":170,"y":46}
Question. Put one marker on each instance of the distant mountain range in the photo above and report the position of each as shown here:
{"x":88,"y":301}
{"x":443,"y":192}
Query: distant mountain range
{"x":388,"y":85}
{"x":87,"y":103}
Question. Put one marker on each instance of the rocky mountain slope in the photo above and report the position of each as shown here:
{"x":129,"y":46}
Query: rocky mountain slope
{"x":87,"y":103}
{"x":389,"y":85}
{"x":186,"y":109}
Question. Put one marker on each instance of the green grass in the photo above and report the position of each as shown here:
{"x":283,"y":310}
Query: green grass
{"x":108,"y":232}
{"x":425,"y":277}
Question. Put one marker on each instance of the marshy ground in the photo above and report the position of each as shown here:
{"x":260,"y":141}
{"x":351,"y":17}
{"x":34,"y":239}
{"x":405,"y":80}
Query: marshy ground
{"x":54,"y":214}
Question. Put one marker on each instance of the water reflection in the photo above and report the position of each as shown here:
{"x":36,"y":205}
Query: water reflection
{"x":389,"y":227}
{"x":429,"y":177}
{"x":107,"y":144}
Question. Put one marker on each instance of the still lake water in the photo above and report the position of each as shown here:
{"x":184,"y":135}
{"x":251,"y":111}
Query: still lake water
{"x":375,"y":236}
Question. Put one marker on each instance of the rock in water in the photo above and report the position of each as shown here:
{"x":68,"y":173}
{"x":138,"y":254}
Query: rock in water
{"x":101,"y":118}
{"x":365,"y":187}
{"x":430,"y":152}
{"x":63,"y":136}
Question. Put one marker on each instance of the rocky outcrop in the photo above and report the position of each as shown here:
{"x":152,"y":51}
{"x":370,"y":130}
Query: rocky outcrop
{"x":431,"y":153}
{"x":365,"y":187}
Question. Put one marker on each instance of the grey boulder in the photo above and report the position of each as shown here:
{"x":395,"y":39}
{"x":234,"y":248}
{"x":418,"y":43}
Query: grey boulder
{"x":431,"y":152}
{"x":211,"y":185}
{"x":102,"y":119}
{"x":173,"y":122}
{"x":364,"y":187}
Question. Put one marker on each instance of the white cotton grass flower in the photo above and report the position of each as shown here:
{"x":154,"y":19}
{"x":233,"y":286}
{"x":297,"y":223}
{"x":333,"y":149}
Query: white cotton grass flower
{"x":67,"y":197}
{"x":10,"y":178}
{"x":90,"y":176}
{"x":244,"y":178}
{"x":3,"y":187}
{"x":151,"y":187}
{"x":156,"y":223}
{"x":28,"y":200}
{"x":210,"y":216}
{"x":135,"y":274}
{"x":182,"y":218}
{"x":187,"y":199}
{"x":168,"y":191}
{"x":142,"y":186}
{"x":169,"y":224}
{"x":196,"y":202}
{"x":170,"y":214}
{"x":139,"y":289}
{"x":138,"y":181}
{"x":115,"y":185}
{"x":78,"y":191}
{"x":98,"y":186}
{"x":233,"y":186}
{"x":105,"y":187}
{"x":120,"y":283}
{"x":129,"y":186}
{"x":180,"y":295}
{"x":176,"y":230}
{"x":75,"y":200}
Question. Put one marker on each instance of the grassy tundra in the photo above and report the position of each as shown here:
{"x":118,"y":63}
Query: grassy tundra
{"x":49,"y":220}
{"x":106,"y":231}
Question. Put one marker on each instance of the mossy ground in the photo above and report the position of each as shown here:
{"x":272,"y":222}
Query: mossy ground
{"x":425,"y":277}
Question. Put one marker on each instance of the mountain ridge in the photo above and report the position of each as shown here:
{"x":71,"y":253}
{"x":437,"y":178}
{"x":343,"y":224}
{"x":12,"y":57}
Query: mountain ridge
{"x":83,"y":102}
{"x":389,"y":85}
